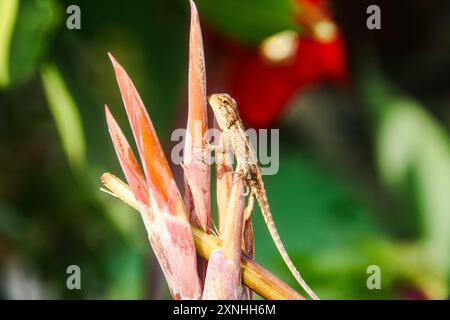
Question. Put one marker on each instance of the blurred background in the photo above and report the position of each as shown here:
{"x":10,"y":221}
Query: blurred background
{"x":364,"y":119}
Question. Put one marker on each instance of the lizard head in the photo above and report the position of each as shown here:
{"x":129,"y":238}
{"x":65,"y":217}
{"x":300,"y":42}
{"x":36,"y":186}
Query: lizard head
{"x":225,"y":109}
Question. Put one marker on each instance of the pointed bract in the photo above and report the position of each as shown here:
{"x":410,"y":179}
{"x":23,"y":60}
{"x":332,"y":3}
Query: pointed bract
{"x":233,"y":222}
{"x":196,"y":167}
{"x":159,"y":177}
{"x":223,"y":280}
{"x":197,"y":80}
{"x":130,"y":166}
{"x":164,"y":214}
{"x":224,"y":179}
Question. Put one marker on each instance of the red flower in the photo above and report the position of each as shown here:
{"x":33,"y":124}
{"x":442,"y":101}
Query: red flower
{"x":263,"y":89}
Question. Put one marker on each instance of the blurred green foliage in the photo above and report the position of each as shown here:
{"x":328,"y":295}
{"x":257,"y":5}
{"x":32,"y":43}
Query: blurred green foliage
{"x":35,"y":25}
{"x":8,"y":15}
{"x":392,"y":210}
{"x":66,"y":115}
{"x":413,"y":155}
{"x":249,"y":21}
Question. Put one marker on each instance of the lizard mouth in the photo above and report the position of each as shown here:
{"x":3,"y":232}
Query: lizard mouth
{"x":212,"y":100}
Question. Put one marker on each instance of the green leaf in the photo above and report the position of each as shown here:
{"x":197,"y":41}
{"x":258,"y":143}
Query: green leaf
{"x":8,"y":15}
{"x":249,"y":20}
{"x":35,"y":24}
{"x":67,"y":117}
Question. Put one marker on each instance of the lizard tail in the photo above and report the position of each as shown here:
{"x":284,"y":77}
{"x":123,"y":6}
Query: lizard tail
{"x":264,"y":204}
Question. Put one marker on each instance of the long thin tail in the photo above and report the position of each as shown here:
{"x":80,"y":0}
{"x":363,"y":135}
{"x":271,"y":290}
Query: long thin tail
{"x":264,"y":205}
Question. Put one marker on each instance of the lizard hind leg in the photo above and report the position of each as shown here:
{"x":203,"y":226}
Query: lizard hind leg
{"x":239,"y":174}
{"x":250,"y":205}
{"x":247,"y":191}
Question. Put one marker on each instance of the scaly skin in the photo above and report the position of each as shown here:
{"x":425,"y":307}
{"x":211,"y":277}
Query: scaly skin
{"x":233,"y":131}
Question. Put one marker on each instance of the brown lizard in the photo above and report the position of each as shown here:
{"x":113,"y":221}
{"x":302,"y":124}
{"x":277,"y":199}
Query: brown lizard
{"x":234,"y":135}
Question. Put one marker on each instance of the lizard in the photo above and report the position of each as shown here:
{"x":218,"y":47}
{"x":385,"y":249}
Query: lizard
{"x":229,"y":121}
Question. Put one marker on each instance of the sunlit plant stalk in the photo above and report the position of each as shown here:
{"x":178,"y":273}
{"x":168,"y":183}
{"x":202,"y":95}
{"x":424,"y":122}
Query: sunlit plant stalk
{"x":257,"y":278}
